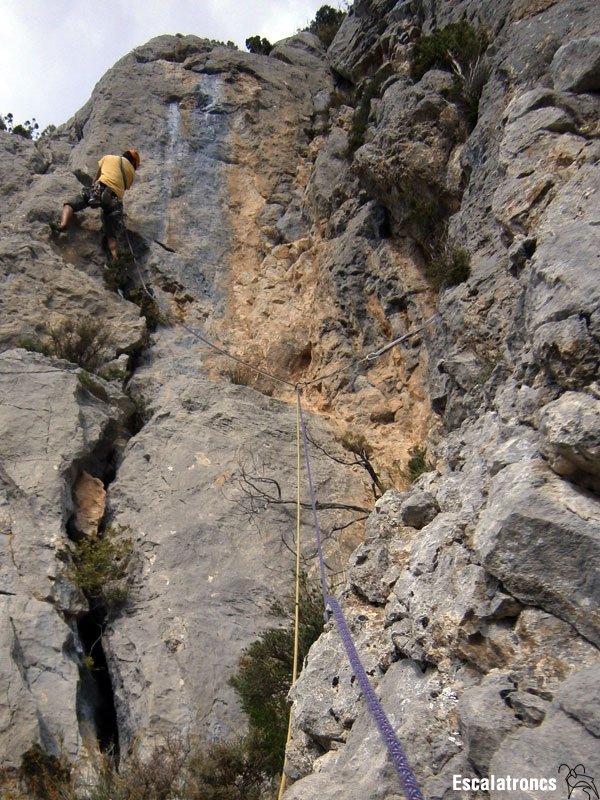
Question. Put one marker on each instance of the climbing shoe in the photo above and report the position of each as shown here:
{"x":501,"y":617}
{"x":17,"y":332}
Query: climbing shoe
{"x":56,"y":228}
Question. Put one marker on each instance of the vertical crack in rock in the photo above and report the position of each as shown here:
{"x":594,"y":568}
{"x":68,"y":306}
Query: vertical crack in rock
{"x":95,"y":704}
{"x":96,"y":710}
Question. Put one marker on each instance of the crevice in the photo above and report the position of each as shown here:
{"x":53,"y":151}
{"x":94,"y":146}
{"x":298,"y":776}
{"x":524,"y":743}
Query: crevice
{"x":164,"y":246}
{"x":95,"y":703}
{"x":96,"y":710}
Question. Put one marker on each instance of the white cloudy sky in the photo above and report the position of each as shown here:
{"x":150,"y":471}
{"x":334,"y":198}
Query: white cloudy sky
{"x":53,"y":52}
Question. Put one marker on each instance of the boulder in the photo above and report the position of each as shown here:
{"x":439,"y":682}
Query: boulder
{"x":419,"y":509}
{"x":564,"y":738}
{"x":579,"y":698}
{"x":570,"y":430}
{"x":485,"y":719}
{"x":418,"y":132}
{"x":540,"y":536}
{"x":576,"y":65}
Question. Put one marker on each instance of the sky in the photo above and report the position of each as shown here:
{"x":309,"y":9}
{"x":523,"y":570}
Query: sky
{"x":53,"y":52}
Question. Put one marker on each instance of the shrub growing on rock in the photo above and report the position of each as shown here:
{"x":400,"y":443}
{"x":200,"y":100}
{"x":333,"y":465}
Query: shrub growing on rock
{"x":84,"y":342}
{"x":449,"y":264}
{"x":264,"y":678}
{"x":459,"y":48}
{"x":26,"y":130}
{"x":35,"y":345}
{"x":261,"y":46}
{"x":417,"y":463}
{"x":458,"y":43}
{"x":326,"y":24}
{"x":371,"y":90}
{"x":100,"y":563}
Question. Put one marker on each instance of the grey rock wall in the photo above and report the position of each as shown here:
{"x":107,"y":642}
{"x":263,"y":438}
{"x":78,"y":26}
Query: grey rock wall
{"x":51,"y":427}
{"x":205,"y":569}
{"x":473,"y":595}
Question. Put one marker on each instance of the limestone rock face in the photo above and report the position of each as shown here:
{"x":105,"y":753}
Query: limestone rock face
{"x":171,"y":469}
{"x":571,"y":427}
{"x":409,"y":162}
{"x":52,"y":428}
{"x":576,"y":66}
{"x":485,"y":572}
{"x":569,"y":732}
{"x":208,"y":567}
{"x":540,"y":537}
{"x":288,"y":212}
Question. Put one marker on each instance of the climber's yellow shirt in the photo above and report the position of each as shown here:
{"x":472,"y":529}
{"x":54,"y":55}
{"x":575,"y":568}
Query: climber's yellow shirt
{"x":110,"y":175}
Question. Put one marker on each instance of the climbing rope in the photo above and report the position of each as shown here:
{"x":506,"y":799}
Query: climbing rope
{"x":385,"y":348}
{"x":383,"y":723}
{"x":386,"y":730}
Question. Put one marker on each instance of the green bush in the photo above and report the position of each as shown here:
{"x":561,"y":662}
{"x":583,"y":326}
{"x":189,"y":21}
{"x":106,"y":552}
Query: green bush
{"x":264,"y":678}
{"x":257,"y":45}
{"x":449,"y":264}
{"x":459,"y":43}
{"x":35,"y":345}
{"x":459,"y":266}
{"x":84,"y":342}
{"x":27,"y":130}
{"x":326,"y":24}
{"x":458,"y":47}
{"x":470,"y":84}
{"x":417,"y":463}
{"x":116,"y":374}
{"x":99,"y":563}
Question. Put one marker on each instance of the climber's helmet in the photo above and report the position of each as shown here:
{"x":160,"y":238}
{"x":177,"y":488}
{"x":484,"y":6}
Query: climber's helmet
{"x":134,"y":157}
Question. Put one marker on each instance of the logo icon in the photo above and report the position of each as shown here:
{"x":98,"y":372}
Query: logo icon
{"x":577,"y":779}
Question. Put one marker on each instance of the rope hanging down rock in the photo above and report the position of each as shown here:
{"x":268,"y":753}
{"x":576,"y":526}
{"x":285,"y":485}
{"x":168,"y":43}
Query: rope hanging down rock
{"x":384,"y":725}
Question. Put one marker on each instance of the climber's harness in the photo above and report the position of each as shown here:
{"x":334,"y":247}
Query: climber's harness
{"x":100,"y":196}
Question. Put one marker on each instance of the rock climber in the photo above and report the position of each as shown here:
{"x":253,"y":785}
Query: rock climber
{"x":114,"y":176}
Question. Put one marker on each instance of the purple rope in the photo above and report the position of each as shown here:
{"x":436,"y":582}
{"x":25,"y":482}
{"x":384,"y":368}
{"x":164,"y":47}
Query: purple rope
{"x":386,"y":730}
{"x":313,"y":499}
